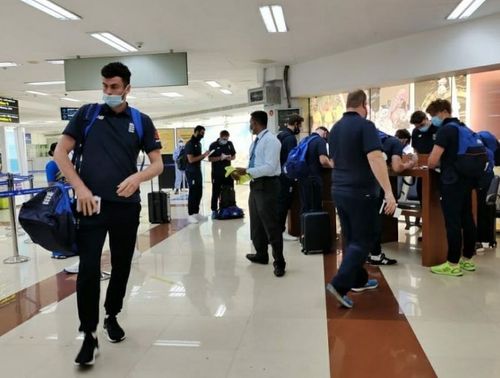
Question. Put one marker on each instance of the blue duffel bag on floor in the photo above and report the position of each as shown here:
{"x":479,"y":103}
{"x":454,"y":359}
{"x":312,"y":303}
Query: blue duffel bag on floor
{"x":231,"y":212}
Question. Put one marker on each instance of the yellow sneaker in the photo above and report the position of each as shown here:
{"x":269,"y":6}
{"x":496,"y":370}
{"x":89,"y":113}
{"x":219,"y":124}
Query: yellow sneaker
{"x":468,"y":265}
{"x":446,"y":269}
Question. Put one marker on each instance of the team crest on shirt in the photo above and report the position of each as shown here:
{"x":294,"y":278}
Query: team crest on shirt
{"x":131,"y":128}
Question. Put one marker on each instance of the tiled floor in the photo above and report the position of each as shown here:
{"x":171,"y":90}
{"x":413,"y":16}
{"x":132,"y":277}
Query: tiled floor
{"x":195,"y":307}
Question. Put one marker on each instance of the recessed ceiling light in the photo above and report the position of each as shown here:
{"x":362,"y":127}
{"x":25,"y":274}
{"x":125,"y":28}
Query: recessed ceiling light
{"x":8,"y":64}
{"x":70,"y":99}
{"x":52,"y":9}
{"x":273,"y":18}
{"x":55,"y":61}
{"x":37,"y":93}
{"x":45,"y":82}
{"x":226,"y":91}
{"x":171,"y":94}
{"x":465,"y":9}
{"x":113,"y":41}
{"x":213,"y":84}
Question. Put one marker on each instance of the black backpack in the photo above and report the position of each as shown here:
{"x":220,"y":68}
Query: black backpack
{"x":227,"y":197}
{"x":181,"y":160}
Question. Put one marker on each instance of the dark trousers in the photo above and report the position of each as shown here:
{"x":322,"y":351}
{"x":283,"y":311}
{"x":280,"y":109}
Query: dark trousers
{"x":265,"y":226}
{"x":377,"y":248}
{"x":486,"y":214}
{"x":218,"y":181}
{"x":285,"y":199}
{"x":121,"y":221}
{"x":311,"y":190}
{"x":456,"y":203}
{"x":357,"y":214}
{"x":195,"y":184}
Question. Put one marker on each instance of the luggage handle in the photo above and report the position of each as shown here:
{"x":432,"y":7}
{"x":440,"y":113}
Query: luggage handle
{"x":159,"y":188}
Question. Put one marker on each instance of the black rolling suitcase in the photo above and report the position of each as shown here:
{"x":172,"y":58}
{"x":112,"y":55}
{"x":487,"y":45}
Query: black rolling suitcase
{"x":315,"y":233}
{"x":158,"y":206}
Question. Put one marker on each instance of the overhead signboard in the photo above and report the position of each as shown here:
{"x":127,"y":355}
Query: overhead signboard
{"x":68,"y":113}
{"x":9,"y":110}
{"x":151,"y":70}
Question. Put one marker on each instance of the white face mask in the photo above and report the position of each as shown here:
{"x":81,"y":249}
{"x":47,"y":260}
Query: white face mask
{"x":114,"y":100}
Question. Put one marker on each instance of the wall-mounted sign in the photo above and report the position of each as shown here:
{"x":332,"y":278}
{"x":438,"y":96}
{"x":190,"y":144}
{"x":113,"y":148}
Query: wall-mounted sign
{"x":9,"y":110}
{"x":68,"y":113}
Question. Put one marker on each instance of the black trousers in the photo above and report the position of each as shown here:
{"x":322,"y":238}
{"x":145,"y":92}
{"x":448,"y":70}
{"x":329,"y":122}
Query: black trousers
{"x":456,"y":203}
{"x":195,"y":184}
{"x":285,"y":199}
{"x":486,"y":214}
{"x":377,"y":225}
{"x":311,"y":190}
{"x":218,"y":181}
{"x":121,"y":221}
{"x":265,"y":225}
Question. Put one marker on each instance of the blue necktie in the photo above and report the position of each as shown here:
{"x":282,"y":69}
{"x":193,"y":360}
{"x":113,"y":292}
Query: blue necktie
{"x":251,"y":163}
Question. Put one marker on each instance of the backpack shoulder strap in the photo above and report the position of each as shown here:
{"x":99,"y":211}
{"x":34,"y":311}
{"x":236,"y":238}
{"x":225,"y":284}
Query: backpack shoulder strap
{"x":91,"y":115}
{"x":137,"y":120}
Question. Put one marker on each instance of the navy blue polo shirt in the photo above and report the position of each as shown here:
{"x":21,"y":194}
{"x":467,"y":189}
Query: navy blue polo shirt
{"x":350,"y":140}
{"x":447,"y":138}
{"x":219,"y":167}
{"x":391,"y":146}
{"x":110,"y":149}
{"x":288,"y":142}
{"x":316,"y":148}
{"x":193,"y":147}
{"x":423,"y":142}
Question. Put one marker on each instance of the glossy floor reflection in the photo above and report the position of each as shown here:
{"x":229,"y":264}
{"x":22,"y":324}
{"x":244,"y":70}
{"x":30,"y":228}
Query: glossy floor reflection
{"x":456,"y":319}
{"x":195,"y":307}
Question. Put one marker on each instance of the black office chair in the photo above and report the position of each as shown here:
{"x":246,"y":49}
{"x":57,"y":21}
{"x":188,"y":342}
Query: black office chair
{"x":408,"y":199}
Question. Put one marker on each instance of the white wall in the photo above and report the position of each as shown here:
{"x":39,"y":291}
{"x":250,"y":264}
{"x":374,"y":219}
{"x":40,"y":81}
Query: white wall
{"x":459,"y":47}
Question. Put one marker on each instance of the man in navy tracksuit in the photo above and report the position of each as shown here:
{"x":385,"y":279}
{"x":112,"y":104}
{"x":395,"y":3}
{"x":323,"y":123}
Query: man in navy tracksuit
{"x":109,"y":171}
{"x":359,"y":172}
{"x":456,"y":193}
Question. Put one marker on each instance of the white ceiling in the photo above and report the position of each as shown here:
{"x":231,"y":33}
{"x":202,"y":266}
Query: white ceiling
{"x":224,"y":39}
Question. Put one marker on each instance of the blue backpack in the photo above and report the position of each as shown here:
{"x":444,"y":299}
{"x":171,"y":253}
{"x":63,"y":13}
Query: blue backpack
{"x":493,"y":146}
{"x":91,"y":115}
{"x":296,"y":165}
{"x":472,"y":155}
{"x":49,"y":221}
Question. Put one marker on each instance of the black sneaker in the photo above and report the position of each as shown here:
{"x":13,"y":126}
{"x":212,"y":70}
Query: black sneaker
{"x":88,"y":351}
{"x":381,"y":260}
{"x":113,"y":330}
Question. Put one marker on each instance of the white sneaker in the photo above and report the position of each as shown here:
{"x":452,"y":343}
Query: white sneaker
{"x":192,"y":219}
{"x":72,"y":269}
{"x":288,"y":237}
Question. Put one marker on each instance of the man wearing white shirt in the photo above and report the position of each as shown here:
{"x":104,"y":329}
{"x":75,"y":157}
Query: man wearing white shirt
{"x":264,"y":168}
